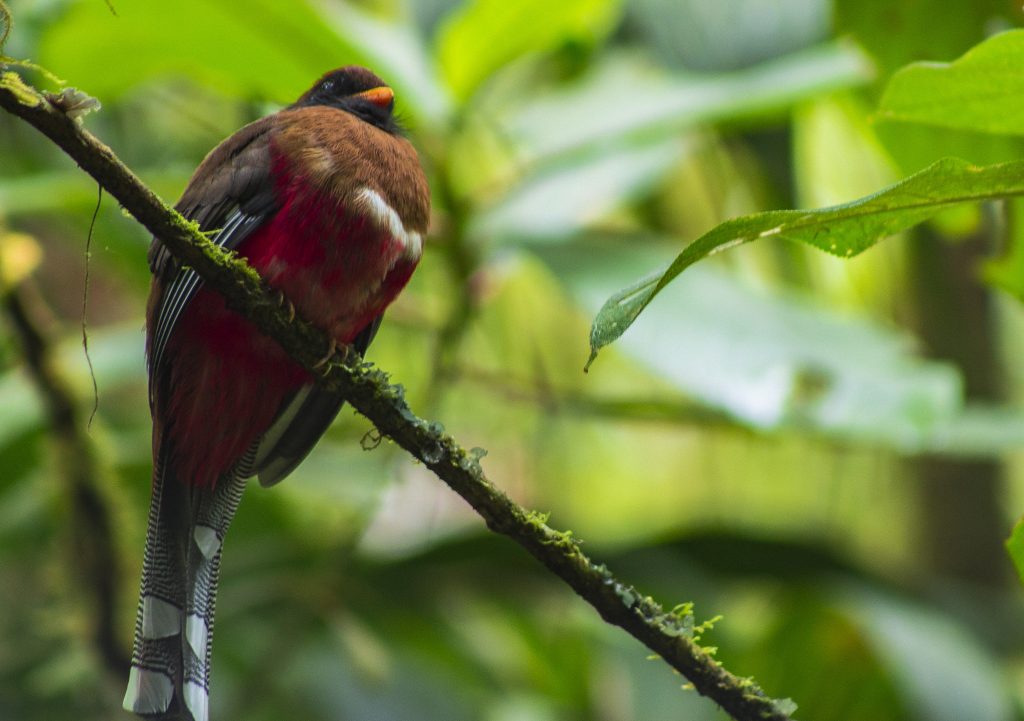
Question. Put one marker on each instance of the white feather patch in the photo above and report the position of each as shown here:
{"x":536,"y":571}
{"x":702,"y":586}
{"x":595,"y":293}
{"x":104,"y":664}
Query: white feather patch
{"x":281,"y":424}
{"x":197,"y":700}
{"x":160,"y":618}
{"x":207,"y":540}
{"x":387,"y":218}
{"x":148,"y":691}
{"x":197,"y":632}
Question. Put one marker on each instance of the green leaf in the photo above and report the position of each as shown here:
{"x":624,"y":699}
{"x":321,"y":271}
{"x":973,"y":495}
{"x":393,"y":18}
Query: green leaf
{"x":483,"y":35}
{"x":981,"y":91}
{"x":1015,"y":547}
{"x":264,"y":49}
{"x":843,"y":230}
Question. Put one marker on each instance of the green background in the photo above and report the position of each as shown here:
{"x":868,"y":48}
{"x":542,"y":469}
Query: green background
{"x":825,"y":451}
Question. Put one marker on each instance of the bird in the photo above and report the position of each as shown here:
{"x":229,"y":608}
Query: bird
{"x":328,"y":201}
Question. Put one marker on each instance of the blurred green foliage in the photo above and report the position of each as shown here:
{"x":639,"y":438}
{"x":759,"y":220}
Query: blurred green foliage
{"x":763,"y":441}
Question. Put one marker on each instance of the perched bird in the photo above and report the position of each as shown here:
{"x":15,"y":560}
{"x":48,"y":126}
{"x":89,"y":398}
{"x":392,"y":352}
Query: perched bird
{"x":328,"y":202}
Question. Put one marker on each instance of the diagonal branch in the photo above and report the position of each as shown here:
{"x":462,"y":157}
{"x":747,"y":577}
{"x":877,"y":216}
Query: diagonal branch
{"x":668,"y":634}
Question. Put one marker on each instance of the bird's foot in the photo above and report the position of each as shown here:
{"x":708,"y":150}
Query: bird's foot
{"x":283,"y":302}
{"x":332,"y":348}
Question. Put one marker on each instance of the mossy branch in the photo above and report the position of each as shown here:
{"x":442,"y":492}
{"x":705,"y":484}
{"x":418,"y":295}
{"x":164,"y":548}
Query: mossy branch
{"x":668,"y":634}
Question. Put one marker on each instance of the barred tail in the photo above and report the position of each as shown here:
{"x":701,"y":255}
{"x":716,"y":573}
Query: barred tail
{"x":170,"y":674}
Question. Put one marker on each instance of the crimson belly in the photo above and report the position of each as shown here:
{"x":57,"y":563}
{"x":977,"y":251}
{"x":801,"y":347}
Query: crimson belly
{"x":228,"y":380}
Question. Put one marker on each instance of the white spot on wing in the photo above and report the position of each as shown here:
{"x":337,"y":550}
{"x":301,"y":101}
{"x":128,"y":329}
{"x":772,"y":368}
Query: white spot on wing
{"x":160,"y":618}
{"x":378,"y":209}
{"x":197,"y":700}
{"x":197,"y":632}
{"x":207,"y":540}
{"x":148,"y":692}
{"x":281,"y":424}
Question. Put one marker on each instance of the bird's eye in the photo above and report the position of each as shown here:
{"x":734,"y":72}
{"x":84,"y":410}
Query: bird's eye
{"x":327,"y":86}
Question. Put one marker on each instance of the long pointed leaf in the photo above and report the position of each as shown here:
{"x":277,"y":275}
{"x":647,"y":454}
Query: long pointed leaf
{"x":843,"y":230}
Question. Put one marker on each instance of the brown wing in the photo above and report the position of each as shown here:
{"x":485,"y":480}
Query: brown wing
{"x":300,"y":423}
{"x":232,"y":193}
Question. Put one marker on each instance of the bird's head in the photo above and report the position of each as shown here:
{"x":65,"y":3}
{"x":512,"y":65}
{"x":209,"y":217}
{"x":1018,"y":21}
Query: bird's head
{"x":357,"y":91}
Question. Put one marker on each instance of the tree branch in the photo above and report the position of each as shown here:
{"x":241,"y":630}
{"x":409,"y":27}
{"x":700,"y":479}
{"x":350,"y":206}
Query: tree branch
{"x":668,"y":634}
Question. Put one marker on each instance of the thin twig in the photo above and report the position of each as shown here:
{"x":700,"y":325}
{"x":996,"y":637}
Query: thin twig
{"x":85,"y":307}
{"x":667,"y":634}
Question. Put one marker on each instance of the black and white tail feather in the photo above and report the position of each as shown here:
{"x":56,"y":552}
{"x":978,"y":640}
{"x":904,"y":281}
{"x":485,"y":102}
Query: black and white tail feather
{"x":170,"y":675}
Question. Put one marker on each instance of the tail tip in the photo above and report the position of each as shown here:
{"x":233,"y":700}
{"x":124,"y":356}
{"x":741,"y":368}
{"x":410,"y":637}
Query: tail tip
{"x":148,"y":692}
{"x":198,"y":701}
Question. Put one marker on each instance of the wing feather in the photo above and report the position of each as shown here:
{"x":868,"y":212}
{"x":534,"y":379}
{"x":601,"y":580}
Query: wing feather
{"x":230,"y":194}
{"x":300,"y":423}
